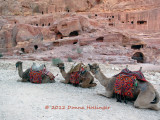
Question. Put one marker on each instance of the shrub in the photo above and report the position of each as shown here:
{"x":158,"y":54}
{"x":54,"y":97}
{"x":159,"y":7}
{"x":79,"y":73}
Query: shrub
{"x":56,"y":61}
{"x":70,"y":59}
{"x":89,"y":16}
{"x":79,"y":51}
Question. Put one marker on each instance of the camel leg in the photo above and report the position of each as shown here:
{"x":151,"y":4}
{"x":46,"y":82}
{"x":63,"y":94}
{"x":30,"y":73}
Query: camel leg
{"x":23,"y":80}
{"x":66,"y":81}
{"x":144,"y":100}
{"x":52,"y":81}
{"x":107,"y":94}
{"x":46,"y":79}
{"x":93,"y":84}
{"x":86,"y":83}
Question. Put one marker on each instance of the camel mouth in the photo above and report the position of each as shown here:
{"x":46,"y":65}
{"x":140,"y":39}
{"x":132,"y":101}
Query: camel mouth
{"x":16,"y":66}
{"x":93,"y":67}
{"x":60,"y":66}
{"x":18,"y":63}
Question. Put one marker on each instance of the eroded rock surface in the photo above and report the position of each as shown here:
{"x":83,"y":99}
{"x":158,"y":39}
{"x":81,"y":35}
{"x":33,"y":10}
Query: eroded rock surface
{"x":118,"y":31}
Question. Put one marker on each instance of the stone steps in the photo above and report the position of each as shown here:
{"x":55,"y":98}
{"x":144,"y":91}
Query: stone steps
{"x":120,"y":60}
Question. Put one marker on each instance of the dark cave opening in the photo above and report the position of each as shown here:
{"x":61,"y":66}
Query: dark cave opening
{"x":139,"y":57}
{"x":100,"y":39}
{"x":111,"y":24}
{"x":136,"y":47}
{"x":141,"y":22}
{"x":74,"y":33}
{"x":23,"y":50}
{"x":75,"y":42}
{"x":59,"y":36}
{"x":35,"y":47}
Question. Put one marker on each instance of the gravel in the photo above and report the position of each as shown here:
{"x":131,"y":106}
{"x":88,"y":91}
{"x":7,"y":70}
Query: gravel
{"x":27,"y":101}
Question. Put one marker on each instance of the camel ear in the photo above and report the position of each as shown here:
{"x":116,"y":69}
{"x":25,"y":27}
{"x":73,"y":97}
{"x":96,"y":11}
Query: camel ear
{"x":90,"y":66}
{"x":126,"y":66}
{"x":16,"y":65}
{"x":140,"y":69}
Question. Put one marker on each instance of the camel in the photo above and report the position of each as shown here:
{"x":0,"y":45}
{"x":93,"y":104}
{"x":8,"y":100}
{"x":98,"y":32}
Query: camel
{"x":25,"y":75}
{"x":144,"y":95}
{"x":85,"y":79}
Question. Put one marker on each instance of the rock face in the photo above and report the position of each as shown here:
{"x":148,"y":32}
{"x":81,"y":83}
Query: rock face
{"x":71,"y":26}
{"x":68,"y":26}
{"x":119,"y":31}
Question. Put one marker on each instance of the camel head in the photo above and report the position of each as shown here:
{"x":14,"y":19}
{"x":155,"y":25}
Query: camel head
{"x":94,"y":68}
{"x":60,"y":66}
{"x":18,"y":63}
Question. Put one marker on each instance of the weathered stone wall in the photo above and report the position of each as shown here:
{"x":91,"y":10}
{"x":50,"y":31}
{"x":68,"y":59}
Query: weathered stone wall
{"x":45,"y":24}
{"x":146,"y":20}
{"x":142,"y":20}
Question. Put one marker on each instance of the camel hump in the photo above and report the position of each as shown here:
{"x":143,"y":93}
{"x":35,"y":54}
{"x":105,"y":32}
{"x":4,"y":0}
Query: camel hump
{"x":37,"y":67}
{"x":76,"y":68}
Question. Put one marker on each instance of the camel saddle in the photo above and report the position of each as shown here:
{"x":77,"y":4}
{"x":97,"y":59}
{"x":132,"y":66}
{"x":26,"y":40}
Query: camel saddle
{"x":76,"y":67}
{"x":36,"y":76}
{"x":74,"y":76}
{"x":126,"y":80}
{"x":124,"y":84}
{"x":36,"y":73}
{"x":37,"y":67}
{"x":139,"y":75}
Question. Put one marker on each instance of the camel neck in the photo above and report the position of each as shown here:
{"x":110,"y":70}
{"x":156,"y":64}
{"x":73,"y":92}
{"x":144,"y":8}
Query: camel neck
{"x":63,"y":72}
{"x":102,"y":78}
{"x":20,"y":71}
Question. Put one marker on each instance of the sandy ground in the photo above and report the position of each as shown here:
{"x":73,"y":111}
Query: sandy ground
{"x":27,"y":101}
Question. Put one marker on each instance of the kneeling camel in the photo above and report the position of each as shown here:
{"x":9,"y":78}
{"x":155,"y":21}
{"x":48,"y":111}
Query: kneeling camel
{"x":85,"y":78}
{"x":26,"y":74}
{"x":144,"y":95}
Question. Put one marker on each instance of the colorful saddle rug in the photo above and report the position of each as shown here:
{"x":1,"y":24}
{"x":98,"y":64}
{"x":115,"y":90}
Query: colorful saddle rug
{"x":124,"y":84}
{"x":139,"y":75}
{"x":126,"y":80}
{"x":74,"y":77}
{"x":36,"y":76}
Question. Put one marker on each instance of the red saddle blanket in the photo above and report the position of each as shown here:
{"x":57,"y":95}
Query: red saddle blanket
{"x":124,"y":84}
{"x":139,"y":75}
{"x":74,"y":78}
{"x":36,"y":76}
{"x":125,"y":81}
